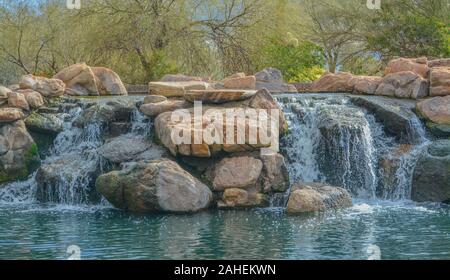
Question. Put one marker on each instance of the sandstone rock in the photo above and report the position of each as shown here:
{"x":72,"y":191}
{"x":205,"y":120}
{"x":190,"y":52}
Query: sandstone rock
{"x":440,"y":81}
{"x":79,"y":79}
{"x":218,"y":96}
{"x":431,"y":179}
{"x":236,"y":75}
{"x":154,"y":99}
{"x":183,"y":78}
{"x":416,"y":65}
{"x":154,"y":186}
{"x":239,"y":198}
{"x":405,"y":84}
{"x":436,"y":110}
{"x":264,"y":100}
{"x":237,"y":172}
{"x":33,"y":98}
{"x":18,"y":152}
{"x":312,"y":197}
{"x":165,"y":128}
{"x":365,"y":84}
{"x":4,"y":92}
{"x":18,"y":100}
{"x":248,"y":82}
{"x":126,"y":148}
{"x":154,"y":109}
{"x":10,"y":114}
{"x":329,"y":82}
{"x":44,"y":123}
{"x":47,"y":87}
{"x":444,"y":62}
{"x":175,"y":89}
{"x":108,"y":82}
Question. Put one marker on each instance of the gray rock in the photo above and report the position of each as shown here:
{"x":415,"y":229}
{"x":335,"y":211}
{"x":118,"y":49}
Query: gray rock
{"x":44,"y":123}
{"x":119,"y":109}
{"x":431,"y":179}
{"x":154,"y":186}
{"x":312,"y":197}
{"x":129,"y":147}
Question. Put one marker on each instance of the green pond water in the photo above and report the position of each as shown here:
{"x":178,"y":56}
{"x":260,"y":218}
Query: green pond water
{"x":402,"y":230}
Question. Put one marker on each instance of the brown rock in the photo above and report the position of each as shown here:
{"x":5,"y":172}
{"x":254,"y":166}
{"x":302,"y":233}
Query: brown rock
{"x":272,"y":80}
{"x":239,"y":198}
{"x":248,"y":82}
{"x":46,"y":87}
{"x":18,"y":100}
{"x":79,"y":80}
{"x":444,"y":62}
{"x":237,"y":172}
{"x":329,"y":82}
{"x":33,"y":98}
{"x":403,"y":85}
{"x":10,"y":114}
{"x":175,"y":89}
{"x":154,"y":109}
{"x":416,"y":65}
{"x":436,"y":110}
{"x":108,"y":82}
{"x":218,"y":96}
{"x":365,"y":84}
{"x":276,"y":176}
{"x":154,"y":99}
{"x":440,"y":81}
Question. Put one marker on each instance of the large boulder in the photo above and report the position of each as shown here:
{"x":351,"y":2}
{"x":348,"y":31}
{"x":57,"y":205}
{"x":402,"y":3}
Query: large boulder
{"x":436,"y":112}
{"x":154,"y":186}
{"x":154,"y":99}
{"x":108,"y":82}
{"x":431,"y":179}
{"x":272,"y":80}
{"x":406,"y":84}
{"x":44,"y":123}
{"x":83,"y":80}
{"x":217,"y":96}
{"x":175,"y":89}
{"x":155,"y":109}
{"x":240,"y":198}
{"x":18,"y":152}
{"x":18,"y":100}
{"x":10,"y":115}
{"x":365,"y":84}
{"x":312,"y":197}
{"x":334,"y":82}
{"x":417,"y":65}
{"x":247,"y":82}
{"x":47,"y":87}
{"x":79,"y":80}
{"x":126,"y":148}
{"x":440,"y":81}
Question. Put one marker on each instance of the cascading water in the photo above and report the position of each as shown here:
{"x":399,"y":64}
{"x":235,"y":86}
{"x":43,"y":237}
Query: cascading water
{"x":67,"y":173}
{"x":333,"y":141}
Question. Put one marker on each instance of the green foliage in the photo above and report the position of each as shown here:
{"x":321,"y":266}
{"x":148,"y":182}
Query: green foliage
{"x":297,"y":61}
{"x":160,"y":65}
{"x":363,"y":65}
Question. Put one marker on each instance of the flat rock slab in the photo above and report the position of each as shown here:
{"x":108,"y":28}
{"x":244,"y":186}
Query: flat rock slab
{"x":218,"y":96}
{"x":175,"y":89}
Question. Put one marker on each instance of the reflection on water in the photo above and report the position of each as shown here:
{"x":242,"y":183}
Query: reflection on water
{"x":402,"y":231}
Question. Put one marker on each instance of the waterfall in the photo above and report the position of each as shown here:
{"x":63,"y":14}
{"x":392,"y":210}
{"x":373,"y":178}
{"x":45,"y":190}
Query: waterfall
{"x":333,"y":141}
